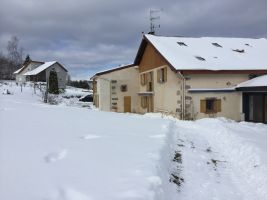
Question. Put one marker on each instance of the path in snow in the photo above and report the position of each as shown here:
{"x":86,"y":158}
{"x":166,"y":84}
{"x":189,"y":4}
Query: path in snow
{"x":221,"y":160}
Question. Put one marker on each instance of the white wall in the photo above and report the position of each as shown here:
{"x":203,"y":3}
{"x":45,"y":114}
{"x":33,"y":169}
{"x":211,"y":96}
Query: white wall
{"x":230,"y":101}
{"x":128,"y":76}
{"x":20,"y":78}
{"x":230,"y":105}
{"x":166,"y":98}
{"x":61,"y":75}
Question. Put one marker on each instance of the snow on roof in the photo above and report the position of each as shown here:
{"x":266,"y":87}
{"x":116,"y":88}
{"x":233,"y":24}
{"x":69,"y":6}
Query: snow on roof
{"x":260,"y":81}
{"x":40,"y":68}
{"x":230,"y":89}
{"x":18,"y":71}
{"x":212,"y":53}
{"x":113,"y":69}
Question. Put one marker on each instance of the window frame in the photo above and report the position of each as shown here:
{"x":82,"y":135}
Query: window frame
{"x":124,"y":88}
{"x":213,"y":103}
{"x":162,"y":75}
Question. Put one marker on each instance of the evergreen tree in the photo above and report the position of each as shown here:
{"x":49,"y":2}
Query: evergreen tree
{"x":53,"y":83}
{"x":27,"y":59}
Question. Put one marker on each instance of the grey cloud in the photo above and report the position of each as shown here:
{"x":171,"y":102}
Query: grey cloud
{"x":88,"y":36}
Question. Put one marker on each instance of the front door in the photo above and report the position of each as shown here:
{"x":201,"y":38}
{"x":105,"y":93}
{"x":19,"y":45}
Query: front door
{"x":255,"y":107}
{"x":127,"y":104}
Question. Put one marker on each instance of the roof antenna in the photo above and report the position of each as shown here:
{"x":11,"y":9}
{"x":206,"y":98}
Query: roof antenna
{"x":153,"y":16}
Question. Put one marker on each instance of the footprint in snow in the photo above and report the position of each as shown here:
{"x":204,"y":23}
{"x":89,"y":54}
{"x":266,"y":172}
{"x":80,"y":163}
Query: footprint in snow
{"x":159,"y":136}
{"x":67,"y":194}
{"x":55,"y":156}
{"x":90,"y":137}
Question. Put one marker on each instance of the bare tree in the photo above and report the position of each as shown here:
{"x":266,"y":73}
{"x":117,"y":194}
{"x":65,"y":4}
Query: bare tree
{"x":15,"y":52}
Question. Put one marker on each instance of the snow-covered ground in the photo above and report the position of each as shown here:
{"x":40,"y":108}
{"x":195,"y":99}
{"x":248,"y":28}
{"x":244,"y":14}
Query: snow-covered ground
{"x":63,"y":152}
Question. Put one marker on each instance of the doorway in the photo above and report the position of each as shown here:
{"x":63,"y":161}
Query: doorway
{"x":127,"y":104}
{"x":255,"y":107}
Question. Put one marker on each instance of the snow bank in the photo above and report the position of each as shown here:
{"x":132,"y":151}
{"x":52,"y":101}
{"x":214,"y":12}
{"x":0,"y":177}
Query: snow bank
{"x":52,"y":152}
{"x":67,"y":153}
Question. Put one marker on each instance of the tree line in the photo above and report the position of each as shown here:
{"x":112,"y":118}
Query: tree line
{"x":11,"y":61}
{"x":79,"y":84}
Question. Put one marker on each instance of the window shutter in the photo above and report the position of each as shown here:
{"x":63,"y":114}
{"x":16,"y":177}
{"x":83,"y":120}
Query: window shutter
{"x":145,"y":78}
{"x":143,"y":102}
{"x":203,"y":106}
{"x":165,"y":74}
{"x":218,"y":105}
{"x":158,"y":75}
{"x":142,"y":79}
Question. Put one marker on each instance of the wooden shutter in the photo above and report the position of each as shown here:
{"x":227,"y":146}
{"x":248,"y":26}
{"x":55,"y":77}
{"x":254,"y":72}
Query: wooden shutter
{"x":218,"y":105}
{"x":165,"y":74}
{"x":158,"y":75}
{"x":145,"y":78}
{"x":203,"y":106}
{"x":143,"y":102}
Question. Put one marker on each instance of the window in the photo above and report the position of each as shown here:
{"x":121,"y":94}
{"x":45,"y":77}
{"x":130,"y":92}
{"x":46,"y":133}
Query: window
{"x":144,"y":102}
{"x":124,"y":88}
{"x":182,"y":44}
{"x":143,"y":79}
{"x":149,"y":87}
{"x":150,"y":81}
{"x":162,"y":75}
{"x":200,"y":58}
{"x":210,"y":105}
{"x":239,"y":50}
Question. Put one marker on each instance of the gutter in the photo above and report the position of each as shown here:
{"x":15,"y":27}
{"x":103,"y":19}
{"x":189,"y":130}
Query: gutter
{"x":182,"y":95}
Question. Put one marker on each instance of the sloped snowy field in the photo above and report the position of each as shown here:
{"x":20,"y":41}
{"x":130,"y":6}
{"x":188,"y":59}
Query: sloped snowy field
{"x":51,"y":152}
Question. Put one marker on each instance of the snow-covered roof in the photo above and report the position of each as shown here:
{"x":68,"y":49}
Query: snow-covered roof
{"x":40,"y":68}
{"x":19,"y":70}
{"x":212,"y":53}
{"x":230,"y":89}
{"x":260,"y":81}
{"x":112,"y":70}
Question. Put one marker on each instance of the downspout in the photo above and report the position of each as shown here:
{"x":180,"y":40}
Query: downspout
{"x":182,"y":95}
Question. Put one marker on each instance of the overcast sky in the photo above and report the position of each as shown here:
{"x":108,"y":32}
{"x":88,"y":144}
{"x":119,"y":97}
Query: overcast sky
{"x":87,"y":36}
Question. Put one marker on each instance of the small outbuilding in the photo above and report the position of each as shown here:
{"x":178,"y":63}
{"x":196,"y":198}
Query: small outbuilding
{"x":37,"y":71}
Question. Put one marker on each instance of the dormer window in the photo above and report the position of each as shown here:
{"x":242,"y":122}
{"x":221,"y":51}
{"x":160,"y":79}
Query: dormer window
{"x":216,"y":44}
{"x":200,"y":58}
{"x":182,"y":44}
{"x":239,"y":50}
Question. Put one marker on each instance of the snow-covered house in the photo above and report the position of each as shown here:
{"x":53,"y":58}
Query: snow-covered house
{"x":116,"y":89}
{"x":39,"y":72}
{"x":194,"y":78}
{"x":27,"y":66}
